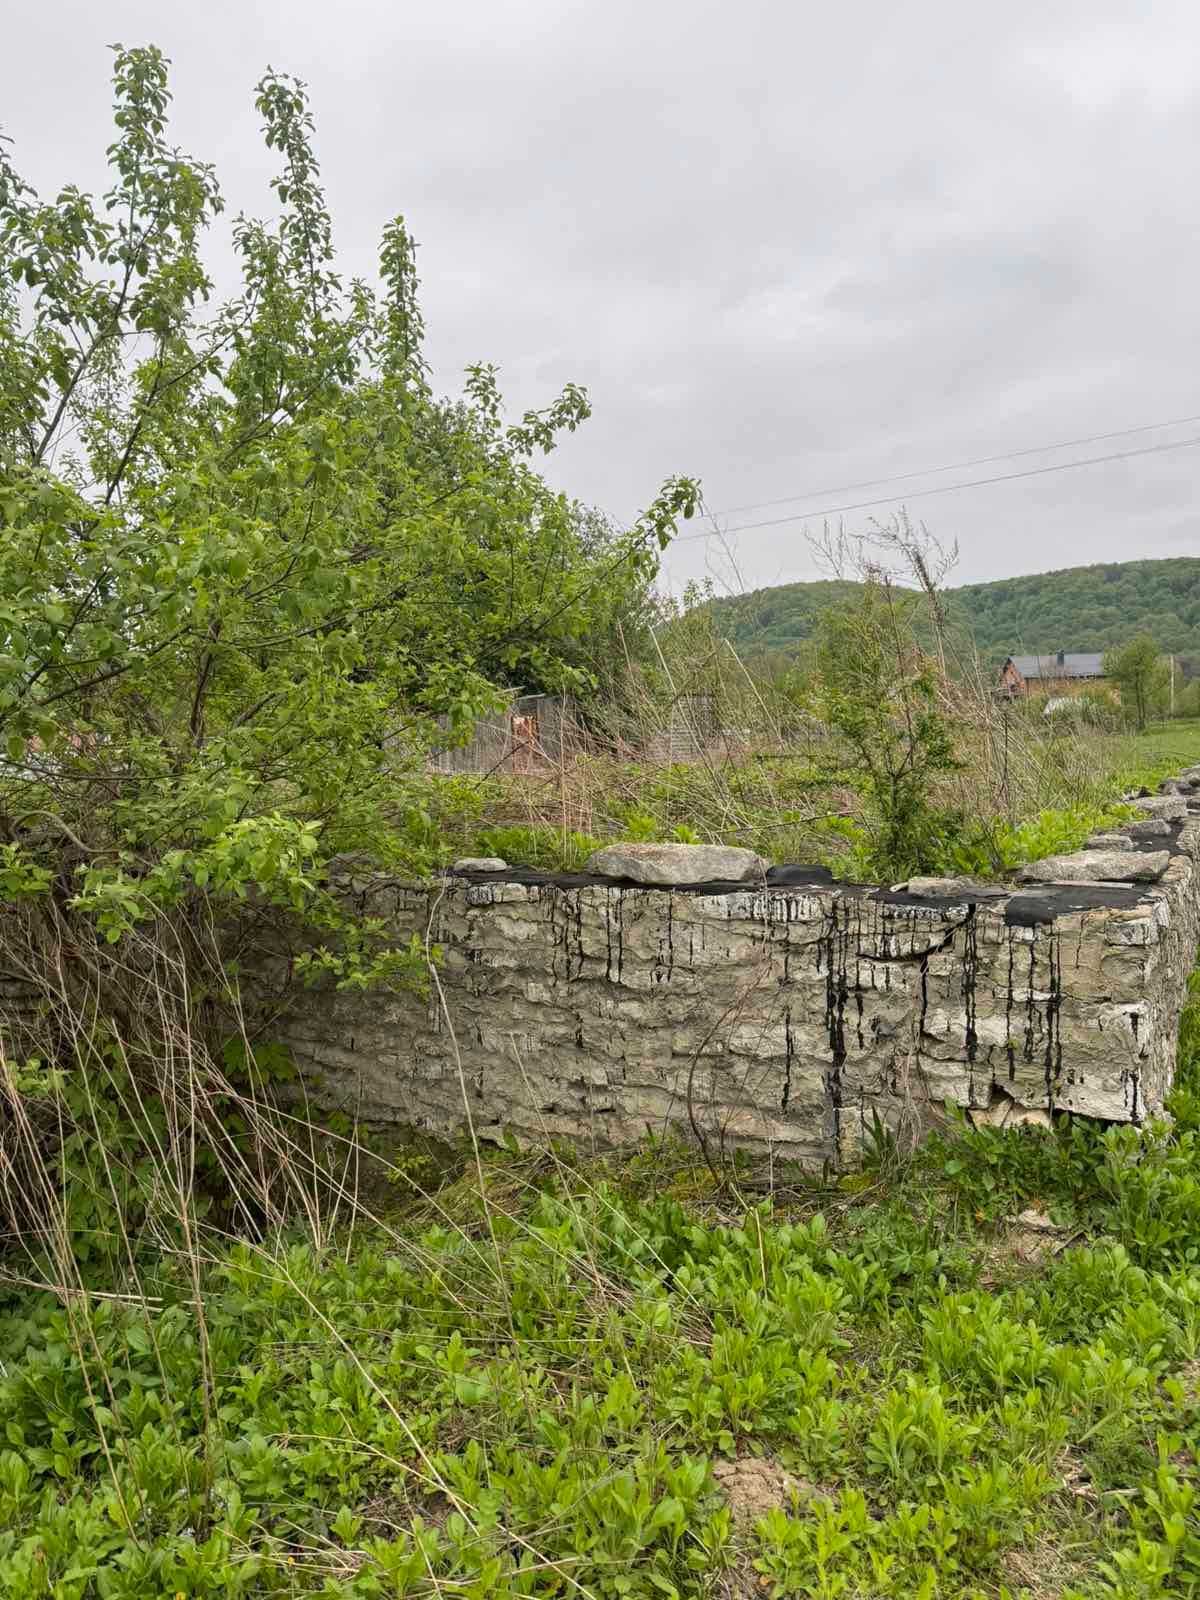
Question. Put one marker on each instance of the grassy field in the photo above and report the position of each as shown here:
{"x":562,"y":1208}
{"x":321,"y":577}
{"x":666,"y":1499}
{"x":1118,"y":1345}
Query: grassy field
{"x":973,"y":1373}
{"x":1165,"y":748}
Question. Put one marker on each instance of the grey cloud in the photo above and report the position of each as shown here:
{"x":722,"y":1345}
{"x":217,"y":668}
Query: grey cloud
{"x":785,"y":247}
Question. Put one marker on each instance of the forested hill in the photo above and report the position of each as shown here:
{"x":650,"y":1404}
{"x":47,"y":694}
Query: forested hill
{"x":1078,"y":608}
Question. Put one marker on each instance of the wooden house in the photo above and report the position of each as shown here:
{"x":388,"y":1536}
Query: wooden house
{"x":1057,"y":672}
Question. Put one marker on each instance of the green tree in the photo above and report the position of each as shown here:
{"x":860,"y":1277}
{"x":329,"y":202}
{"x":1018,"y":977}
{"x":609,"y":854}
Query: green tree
{"x":1081,"y":608}
{"x":1141,"y":676}
{"x":251,"y":570}
{"x":1187,"y":699}
{"x":877,"y":691}
{"x":243,"y":548}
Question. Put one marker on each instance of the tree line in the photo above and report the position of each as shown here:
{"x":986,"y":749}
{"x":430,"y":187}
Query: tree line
{"x":1094,"y":608}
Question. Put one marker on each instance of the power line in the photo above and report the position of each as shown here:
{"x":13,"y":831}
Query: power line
{"x":945,"y":488}
{"x":956,"y":466}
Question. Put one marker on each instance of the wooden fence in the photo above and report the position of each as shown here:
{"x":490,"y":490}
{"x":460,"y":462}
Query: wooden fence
{"x":537,"y":731}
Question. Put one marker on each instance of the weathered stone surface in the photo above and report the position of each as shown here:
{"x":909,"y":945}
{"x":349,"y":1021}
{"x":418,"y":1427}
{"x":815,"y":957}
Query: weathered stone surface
{"x":1167,"y":807}
{"x":480,"y":864}
{"x":1099,"y":866}
{"x":671,"y":865}
{"x":776,"y":1018}
{"x":1108,"y":841}
{"x":1152,"y":828}
{"x":944,"y":888}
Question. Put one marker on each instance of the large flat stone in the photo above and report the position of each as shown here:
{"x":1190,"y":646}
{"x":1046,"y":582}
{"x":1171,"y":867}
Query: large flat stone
{"x":665,"y":865}
{"x":1167,"y":807}
{"x":1111,"y":841}
{"x":1152,"y":828}
{"x":948,"y":888}
{"x":1099,"y":866}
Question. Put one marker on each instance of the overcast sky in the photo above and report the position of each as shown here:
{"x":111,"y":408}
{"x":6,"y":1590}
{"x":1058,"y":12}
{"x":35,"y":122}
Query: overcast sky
{"x":786,"y":247}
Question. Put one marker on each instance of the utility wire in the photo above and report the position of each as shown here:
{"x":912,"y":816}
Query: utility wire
{"x":945,"y":488}
{"x":956,"y":466}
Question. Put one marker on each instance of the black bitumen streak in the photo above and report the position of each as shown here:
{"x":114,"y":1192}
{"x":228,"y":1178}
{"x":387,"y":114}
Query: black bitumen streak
{"x":1030,"y":908}
{"x":1025,"y":907}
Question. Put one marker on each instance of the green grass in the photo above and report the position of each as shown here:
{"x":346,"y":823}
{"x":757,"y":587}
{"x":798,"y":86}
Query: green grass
{"x":535,"y":1382}
{"x":1161,"y":752}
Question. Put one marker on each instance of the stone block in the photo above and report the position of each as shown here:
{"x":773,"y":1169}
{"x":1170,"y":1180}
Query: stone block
{"x":664,"y":865}
{"x":1151,"y":828}
{"x":1098,"y":866}
{"x":1167,"y":808}
{"x":967,"y":890}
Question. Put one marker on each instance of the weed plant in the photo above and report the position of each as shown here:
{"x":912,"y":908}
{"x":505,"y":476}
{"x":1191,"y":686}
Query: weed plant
{"x":535,"y":1378}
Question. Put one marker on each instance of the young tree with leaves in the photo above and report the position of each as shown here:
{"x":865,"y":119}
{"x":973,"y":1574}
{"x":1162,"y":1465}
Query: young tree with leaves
{"x":243,"y":548}
{"x":1141,"y":675}
{"x":876,"y":691}
{"x":251,"y":568}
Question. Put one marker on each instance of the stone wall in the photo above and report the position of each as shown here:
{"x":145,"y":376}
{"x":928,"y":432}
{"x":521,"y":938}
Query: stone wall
{"x":783,"y":1017}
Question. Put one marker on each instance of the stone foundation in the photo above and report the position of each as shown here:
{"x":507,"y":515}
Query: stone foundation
{"x":784,"y":1018}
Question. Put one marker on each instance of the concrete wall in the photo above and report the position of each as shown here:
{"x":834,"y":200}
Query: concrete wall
{"x":781,"y":1018}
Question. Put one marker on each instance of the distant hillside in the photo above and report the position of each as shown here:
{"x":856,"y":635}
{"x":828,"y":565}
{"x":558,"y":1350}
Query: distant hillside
{"x":1078,"y":608}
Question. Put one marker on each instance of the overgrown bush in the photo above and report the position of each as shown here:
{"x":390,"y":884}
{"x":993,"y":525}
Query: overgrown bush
{"x":877,"y":692}
{"x":252,"y":570}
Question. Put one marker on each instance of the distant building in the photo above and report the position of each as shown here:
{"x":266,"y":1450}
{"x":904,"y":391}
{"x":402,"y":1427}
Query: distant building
{"x":1049,"y":674}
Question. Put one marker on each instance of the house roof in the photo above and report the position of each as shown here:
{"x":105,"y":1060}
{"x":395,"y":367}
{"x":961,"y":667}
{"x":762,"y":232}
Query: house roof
{"x":1058,"y":664}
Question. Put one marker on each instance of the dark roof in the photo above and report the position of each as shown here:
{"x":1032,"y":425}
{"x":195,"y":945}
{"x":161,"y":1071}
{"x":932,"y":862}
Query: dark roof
{"x":1061,"y":664}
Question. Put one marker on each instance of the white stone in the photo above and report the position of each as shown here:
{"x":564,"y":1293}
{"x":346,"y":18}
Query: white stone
{"x":480,"y":864}
{"x":1099,"y":866}
{"x":665,"y":865}
{"x":993,"y":1030}
{"x":1004,"y":1111}
{"x":1130,"y":930}
{"x":1029,"y":1117}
